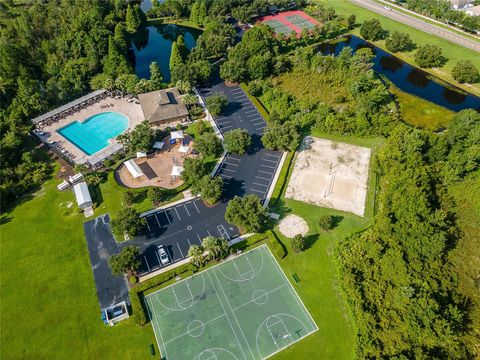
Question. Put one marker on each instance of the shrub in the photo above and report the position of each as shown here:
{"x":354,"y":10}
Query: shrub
{"x":281,"y":136}
{"x":351,"y":21}
{"x":209,"y":144}
{"x":128,"y":260}
{"x":210,"y":189}
{"x":255,"y":87}
{"x":128,"y":221}
{"x":428,"y":56}
{"x":326,"y":222}
{"x":247,"y":213}
{"x":193,"y":170}
{"x":237,"y":141}
{"x":128,"y":197}
{"x":216,"y":104}
{"x":156,"y":195}
{"x":371,"y":29}
{"x":398,"y":41}
{"x":298,"y":243}
{"x":201,"y":126}
{"x":133,"y":279}
{"x":217,"y":248}
{"x":465,"y":72}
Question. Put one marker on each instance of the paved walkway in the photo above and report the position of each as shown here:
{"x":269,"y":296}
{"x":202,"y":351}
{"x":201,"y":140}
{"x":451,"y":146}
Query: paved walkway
{"x":419,"y":24}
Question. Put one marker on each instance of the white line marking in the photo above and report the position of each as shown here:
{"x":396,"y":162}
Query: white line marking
{"x":259,"y":177}
{"x":226,"y":176}
{"x":230,"y":164}
{"x":188,"y":212}
{"x":262,"y":184}
{"x":146,"y":262}
{"x":189,"y":243}
{"x":270,"y":167}
{"x":158,"y":221}
{"x":177,"y":213}
{"x":233,"y":171}
{"x":273,"y":161}
{"x":148,"y":227}
{"x":258,"y":191}
{"x":196,"y":207}
{"x":199,"y":239}
{"x":265,"y":172}
{"x":180,"y":251}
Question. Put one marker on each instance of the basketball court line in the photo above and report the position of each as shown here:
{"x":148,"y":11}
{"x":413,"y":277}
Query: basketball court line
{"x":188,"y":332}
{"x":266,"y":292}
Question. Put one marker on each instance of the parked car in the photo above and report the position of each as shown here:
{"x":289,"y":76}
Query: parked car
{"x":164,"y":259}
{"x":387,"y":8}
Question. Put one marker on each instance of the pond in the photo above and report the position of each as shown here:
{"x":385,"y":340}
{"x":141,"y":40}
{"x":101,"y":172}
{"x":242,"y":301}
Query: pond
{"x":408,"y":78}
{"x":154,"y":43}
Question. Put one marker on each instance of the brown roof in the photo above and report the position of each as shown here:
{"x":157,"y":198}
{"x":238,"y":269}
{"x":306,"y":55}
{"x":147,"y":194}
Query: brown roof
{"x":162,"y":105}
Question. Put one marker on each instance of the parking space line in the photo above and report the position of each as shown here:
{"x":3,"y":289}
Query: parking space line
{"x":230,"y":164}
{"x":148,"y":227}
{"x":180,"y":251}
{"x":260,"y":128}
{"x":199,"y":239}
{"x":261,"y":122}
{"x":189,"y":243}
{"x":223,"y":175}
{"x":266,"y":172}
{"x":233,"y":158}
{"x":251,"y":115}
{"x":188,"y":212}
{"x":249,"y":109}
{"x":177,"y":213}
{"x":261,"y":184}
{"x":223,"y":169}
{"x":196,"y":207}
{"x":146,"y":263}
{"x":209,"y":233}
{"x":158,"y":221}
{"x":270,"y":167}
{"x":275,"y":162}
{"x":275,"y":156}
{"x":259,"y":177}
{"x":159,"y":262}
{"x":168,"y":217}
{"x":258,"y":191}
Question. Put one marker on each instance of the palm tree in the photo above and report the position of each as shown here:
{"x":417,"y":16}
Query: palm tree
{"x":189,"y":99}
{"x":217,"y":247}
{"x":195,"y":252}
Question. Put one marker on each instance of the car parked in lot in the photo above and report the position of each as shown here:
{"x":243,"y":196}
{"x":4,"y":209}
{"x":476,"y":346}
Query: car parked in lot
{"x":162,"y":253}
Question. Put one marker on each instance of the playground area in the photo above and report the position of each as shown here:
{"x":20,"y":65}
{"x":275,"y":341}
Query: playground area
{"x":330,"y":174}
{"x":285,"y":23}
{"x":244,"y":308}
{"x":157,"y":169}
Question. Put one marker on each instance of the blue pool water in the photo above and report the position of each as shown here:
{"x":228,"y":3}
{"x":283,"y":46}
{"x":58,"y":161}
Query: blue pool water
{"x":92,"y":135}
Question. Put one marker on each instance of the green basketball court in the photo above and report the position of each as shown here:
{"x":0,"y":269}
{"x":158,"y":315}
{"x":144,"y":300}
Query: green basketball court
{"x":244,"y":308}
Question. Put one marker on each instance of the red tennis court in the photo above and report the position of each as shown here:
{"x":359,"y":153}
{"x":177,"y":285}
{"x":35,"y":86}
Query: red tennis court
{"x":285,"y":22}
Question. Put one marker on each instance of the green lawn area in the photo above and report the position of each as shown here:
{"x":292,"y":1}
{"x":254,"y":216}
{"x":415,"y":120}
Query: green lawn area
{"x":421,"y":113}
{"x":319,"y":285}
{"x":49,"y":303}
{"x":451,"y":51}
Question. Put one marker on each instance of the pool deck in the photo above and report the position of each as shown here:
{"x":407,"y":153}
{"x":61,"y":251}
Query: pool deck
{"x":131,"y":110}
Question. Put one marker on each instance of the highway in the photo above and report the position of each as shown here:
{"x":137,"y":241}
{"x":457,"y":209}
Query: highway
{"x":418,"y":24}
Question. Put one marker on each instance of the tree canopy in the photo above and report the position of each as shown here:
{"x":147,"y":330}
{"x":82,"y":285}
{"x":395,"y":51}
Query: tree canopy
{"x":128,"y":260}
{"x":465,"y":72}
{"x":428,"y":56}
{"x":372,"y":30}
{"x":237,"y":141}
{"x":398,"y":41}
{"x":128,"y":221}
{"x":208,"y":144}
{"x":216,"y":104}
{"x":247,"y":213}
{"x":141,"y":138}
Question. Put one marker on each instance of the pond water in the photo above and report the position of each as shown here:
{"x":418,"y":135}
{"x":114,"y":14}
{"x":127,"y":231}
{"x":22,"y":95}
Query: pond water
{"x":154,"y":43}
{"x":408,"y":78}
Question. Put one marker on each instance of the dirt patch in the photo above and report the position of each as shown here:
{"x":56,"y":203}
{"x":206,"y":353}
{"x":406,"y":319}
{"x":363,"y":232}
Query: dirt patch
{"x":293,"y":225}
{"x":330,"y":174}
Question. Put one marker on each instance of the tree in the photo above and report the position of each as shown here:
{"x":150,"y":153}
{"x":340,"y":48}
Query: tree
{"x":237,"y":141}
{"x":115,"y":63}
{"x":326,"y":222}
{"x":216,"y":104}
{"x":298,"y":243}
{"x":202,"y":13}
{"x":127,"y":83}
{"x":120,"y":38}
{"x":141,"y":138}
{"x":128,"y":260}
{"x":183,"y":86}
{"x":428,"y":56}
{"x":128,"y":197}
{"x":193,"y":170}
{"x":398,"y":42}
{"x":209,"y":188}
{"x":195,"y":253}
{"x":176,"y":60}
{"x":351,"y":21}
{"x":156,"y":77}
{"x":371,"y":30}
{"x":156,"y":195}
{"x":216,"y":39}
{"x":194,"y":13}
{"x":247,"y":213}
{"x":208,"y":144}
{"x":128,"y":221}
{"x":182,"y":48}
{"x":465,"y":72}
{"x":217,"y":248}
{"x":134,"y":18}
{"x":281,"y":137}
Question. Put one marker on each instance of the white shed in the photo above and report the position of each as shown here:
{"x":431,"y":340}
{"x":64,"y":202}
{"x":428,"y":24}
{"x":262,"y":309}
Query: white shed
{"x":82,"y":195}
{"x":133,"y":169}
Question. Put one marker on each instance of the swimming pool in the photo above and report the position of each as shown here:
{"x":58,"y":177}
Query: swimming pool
{"x":92,"y":135}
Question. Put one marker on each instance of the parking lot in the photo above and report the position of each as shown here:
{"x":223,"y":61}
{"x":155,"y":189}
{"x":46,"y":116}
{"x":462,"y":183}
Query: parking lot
{"x":177,"y":228}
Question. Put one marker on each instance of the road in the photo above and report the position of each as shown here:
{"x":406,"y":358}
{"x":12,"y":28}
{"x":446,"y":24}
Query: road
{"x":419,"y":24}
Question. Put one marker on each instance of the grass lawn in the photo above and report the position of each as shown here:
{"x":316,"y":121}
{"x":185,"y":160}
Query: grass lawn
{"x":49,"y":303}
{"x":451,"y":51}
{"x":421,"y":113}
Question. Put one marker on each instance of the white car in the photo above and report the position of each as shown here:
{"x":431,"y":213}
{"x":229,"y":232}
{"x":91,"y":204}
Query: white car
{"x":164,"y":259}
{"x":387,"y":8}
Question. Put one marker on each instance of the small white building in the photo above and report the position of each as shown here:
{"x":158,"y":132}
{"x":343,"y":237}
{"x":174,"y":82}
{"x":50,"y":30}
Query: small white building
{"x":82,"y":195}
{"x":462,"y":4}
{"x":473,"y":11}
{"x":133,"y":169}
